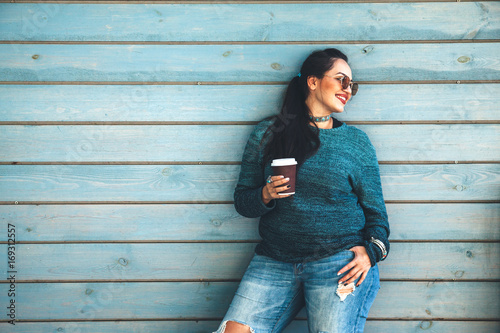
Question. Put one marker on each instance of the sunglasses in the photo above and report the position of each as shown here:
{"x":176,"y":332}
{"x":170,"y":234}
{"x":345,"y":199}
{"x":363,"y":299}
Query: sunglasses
{"x":345,"y":81}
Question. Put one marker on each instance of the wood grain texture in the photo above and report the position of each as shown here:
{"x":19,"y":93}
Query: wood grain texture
{"x":242,"y":63}
{"x":249,"y":22}
{"x":162,"y":300}
{"x":170,"y":103}
{"x":216,"y":182}
{"x":204,"y":326}
{"x":193,"y":261}
{"x":220,"y":222}
{"x":82,"y":143}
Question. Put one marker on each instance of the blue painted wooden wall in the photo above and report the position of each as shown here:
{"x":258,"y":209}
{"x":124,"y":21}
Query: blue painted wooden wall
{"x":122,"y":127}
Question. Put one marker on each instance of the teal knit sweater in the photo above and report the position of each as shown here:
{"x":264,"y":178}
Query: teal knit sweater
{"x":338,"y":201}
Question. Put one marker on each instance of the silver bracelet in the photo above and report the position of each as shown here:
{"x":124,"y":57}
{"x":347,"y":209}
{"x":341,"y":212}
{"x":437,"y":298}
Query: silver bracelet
{"x":381,"y":246}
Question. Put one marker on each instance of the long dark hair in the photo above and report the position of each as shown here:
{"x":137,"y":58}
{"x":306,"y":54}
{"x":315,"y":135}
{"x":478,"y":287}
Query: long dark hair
{"x":290,"y":134}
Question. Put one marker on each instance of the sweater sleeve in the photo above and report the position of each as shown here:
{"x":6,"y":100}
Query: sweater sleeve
{"x":248,"y":191}
{"x":369,"y":191}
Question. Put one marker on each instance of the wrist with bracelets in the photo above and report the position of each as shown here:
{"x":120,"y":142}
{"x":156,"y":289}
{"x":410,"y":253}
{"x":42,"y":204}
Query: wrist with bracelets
{"x":381,"y":246}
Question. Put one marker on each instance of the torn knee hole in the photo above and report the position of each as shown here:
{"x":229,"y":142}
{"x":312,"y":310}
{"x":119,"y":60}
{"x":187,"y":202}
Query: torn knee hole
{"x":344,"y":291}
{"x":237,"y":327}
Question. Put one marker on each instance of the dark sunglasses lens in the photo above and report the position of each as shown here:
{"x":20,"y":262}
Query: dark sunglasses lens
{"x":345,"y":82}
{"x":354,"y":89}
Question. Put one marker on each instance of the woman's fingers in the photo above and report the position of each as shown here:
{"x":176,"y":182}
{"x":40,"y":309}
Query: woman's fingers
{"x":351,"y":275}
{"x":357,"y":268}
{"x":275,"y":185}
{"x":363,"y":276}
{"x":278,"y":180}
{"x":346,"y":268}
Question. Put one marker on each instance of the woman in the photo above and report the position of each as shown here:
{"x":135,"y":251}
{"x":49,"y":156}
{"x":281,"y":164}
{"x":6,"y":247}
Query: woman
{"x":320,"y":245}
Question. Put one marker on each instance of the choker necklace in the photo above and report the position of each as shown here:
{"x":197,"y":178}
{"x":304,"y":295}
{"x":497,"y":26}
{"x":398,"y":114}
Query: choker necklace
{"x":320,"y":119}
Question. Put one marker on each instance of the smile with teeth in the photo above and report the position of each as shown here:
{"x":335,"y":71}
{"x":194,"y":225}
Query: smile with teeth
{"x":342,"y":98}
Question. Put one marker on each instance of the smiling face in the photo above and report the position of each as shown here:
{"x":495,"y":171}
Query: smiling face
{"x":326,"y":95}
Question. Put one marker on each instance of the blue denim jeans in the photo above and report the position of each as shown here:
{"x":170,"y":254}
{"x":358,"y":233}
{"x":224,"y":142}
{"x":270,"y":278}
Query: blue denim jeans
{"x":271,"y":293}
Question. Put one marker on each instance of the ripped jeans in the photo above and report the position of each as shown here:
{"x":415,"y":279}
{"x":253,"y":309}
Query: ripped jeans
{"x":272,"y":292}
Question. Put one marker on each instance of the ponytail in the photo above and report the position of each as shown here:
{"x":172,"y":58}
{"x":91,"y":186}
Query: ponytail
{"x":290,"y":134}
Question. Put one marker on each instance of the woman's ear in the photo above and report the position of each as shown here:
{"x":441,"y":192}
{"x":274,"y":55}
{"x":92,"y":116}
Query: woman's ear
{"x":312,"y":82}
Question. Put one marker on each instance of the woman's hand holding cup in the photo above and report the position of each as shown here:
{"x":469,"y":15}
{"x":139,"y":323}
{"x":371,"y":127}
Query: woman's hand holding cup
{"x":284,"y":171}
{"x":274,"y":186}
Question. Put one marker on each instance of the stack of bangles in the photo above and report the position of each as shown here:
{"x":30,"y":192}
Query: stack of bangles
{"x":381,"y":246}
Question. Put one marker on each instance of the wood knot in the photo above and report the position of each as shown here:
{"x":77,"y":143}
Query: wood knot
{"x":425,"y":325}
{"x":166,"y":172}
{"x":367,"y":49}
{"x":123,"y":261}
{"x":276,"y":66}
{"x":463,"y":59}
{"x":216,"y":222}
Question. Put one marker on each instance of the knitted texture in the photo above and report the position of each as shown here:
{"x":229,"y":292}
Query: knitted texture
{"x":338,"y":201}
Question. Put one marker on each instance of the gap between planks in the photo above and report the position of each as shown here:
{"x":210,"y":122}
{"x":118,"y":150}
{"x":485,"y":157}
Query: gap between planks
{"x":38,"y":203}
{"x":232,"y":280}
{"x":222,"y":163}
{"x":231,"y":123}
{"x":336,"y":42}
{"x":220,"y":318}
{"x":203,"y":2}
{"x":248,"y":241}
{"x":231,"y":83}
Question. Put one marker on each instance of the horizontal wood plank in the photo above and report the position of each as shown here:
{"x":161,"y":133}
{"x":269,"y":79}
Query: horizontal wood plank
{"x":171,"y":103}
{"x":162,"y":300}
{"x":216,"y":182}
{"x":204,"y":326}
{"x":80,"y":143}
{"x":249,"y":22}
{"x":242,"y":63}
{"x":451,"y":261}
{"x":215,"y":222}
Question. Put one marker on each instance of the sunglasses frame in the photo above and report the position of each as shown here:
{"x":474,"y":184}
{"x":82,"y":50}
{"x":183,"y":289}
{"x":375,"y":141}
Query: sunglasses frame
{"x":346,"y":83}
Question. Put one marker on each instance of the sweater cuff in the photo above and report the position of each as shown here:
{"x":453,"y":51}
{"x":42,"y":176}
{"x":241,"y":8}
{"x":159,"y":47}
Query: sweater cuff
{"x":374,"y":252}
